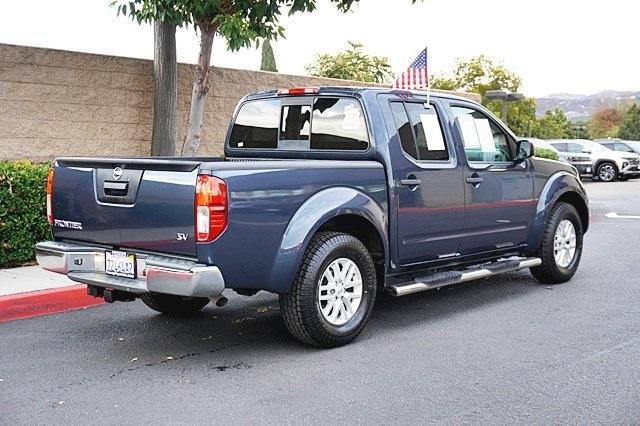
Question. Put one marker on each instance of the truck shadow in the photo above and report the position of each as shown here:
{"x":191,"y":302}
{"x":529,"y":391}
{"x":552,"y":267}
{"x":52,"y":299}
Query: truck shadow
{"x":253,"y":326}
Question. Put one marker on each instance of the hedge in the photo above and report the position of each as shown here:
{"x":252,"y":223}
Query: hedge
{"x":545,"y":153}
{"x":23,"y":211}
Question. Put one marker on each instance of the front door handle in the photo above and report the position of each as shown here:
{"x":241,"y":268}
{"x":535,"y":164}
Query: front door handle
{"x":475,"y":180}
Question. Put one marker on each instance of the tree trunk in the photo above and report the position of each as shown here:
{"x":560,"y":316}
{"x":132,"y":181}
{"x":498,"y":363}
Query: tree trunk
{"x":165,"y":95}
{"x":199,"y":92}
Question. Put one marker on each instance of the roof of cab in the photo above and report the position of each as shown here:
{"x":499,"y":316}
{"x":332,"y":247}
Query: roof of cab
{"x":354,"y":90}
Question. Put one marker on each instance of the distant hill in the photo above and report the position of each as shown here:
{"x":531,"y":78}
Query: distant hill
{"x":581,"y":107}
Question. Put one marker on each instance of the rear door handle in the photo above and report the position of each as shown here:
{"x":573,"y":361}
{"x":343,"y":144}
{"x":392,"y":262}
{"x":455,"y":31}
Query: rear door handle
{"x":475,"y":180}
{"x":410,"y":182}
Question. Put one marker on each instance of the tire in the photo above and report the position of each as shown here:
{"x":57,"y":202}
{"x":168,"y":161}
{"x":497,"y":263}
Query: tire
{"x":306,"y":316}
{"x":174,"y":305}
{"x":607,"y":172}
{"x":552,"y":271}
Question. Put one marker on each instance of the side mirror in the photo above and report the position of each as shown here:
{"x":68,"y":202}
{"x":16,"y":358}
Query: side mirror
{"x":524,"y":150}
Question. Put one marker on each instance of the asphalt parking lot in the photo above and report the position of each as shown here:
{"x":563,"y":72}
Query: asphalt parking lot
{"x":505,"y":349}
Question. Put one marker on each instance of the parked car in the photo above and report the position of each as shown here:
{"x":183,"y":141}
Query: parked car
{"x":573,"y":153}
{"x":607,"y":165}
{"x":621,"y":145}
{"x":325,"y":196}
{"x":540,"y":144}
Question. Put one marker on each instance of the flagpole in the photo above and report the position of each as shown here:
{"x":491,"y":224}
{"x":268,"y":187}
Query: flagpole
{"x":426,"y":75}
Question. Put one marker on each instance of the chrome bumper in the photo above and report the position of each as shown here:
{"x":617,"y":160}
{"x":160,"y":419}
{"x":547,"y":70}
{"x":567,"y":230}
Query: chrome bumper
{"x":157,"y":274}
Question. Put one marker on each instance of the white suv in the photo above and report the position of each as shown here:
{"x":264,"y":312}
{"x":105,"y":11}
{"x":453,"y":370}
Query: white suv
{"x":607,"y":165}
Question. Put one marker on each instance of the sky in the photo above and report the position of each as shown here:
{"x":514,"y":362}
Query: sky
{"x":566,"y":46}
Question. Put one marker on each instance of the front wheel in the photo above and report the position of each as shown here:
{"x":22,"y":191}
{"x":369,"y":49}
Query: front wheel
{"x":561,"y":247}
{"x":332,"y":297}
{"x":607,"y":172}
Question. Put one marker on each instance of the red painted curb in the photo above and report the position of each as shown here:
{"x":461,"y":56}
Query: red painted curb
{"x":44,"y":302}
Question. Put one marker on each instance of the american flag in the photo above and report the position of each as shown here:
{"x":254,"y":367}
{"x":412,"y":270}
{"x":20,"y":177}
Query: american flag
{"x":416,"y":76}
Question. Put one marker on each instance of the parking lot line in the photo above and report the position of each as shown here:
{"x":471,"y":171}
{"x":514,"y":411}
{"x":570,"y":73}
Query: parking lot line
{"x":614,"y":215}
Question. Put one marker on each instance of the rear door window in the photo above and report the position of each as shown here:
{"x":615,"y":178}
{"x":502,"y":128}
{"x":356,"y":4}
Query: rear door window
{"x":574,"y":147}
{"x":560,"y":146}
{"x":420,"y":132}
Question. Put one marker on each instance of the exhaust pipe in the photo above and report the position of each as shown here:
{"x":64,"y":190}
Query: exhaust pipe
{"x":220,"y":301}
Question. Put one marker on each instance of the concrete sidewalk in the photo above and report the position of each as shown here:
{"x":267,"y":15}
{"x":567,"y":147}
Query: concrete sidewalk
{"x":30,"y":278}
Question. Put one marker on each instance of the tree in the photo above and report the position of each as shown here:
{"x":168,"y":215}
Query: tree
{"x":165,"y":93}
{"x":630,"y":127}
{"x":268,"y":62}
{"x":481,"y":74}
{"x":605,"y":123}
{"x":239,"y":22}
{"x":555,"y":125}
{"x":352,"y":64}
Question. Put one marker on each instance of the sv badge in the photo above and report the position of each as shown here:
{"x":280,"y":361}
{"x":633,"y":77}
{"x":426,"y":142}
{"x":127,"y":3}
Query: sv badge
{"x":182,"y":236}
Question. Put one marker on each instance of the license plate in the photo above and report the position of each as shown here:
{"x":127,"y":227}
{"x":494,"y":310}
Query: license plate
{"x":120,"y":264}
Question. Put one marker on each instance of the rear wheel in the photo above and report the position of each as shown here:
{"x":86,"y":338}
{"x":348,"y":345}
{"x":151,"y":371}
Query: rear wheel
{"x":332,"y":297}
{"x":561,"y":246}
{"x":174,"y":305}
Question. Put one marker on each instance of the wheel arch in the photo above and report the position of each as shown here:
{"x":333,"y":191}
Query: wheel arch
{"x":573,"y":198}
{"x":341,"y":209}
{"x":560,"y":187}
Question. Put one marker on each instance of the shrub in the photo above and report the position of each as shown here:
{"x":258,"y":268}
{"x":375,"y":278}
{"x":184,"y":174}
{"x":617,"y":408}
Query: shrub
{"x":545,"y":153}
{"x":23,"y":211}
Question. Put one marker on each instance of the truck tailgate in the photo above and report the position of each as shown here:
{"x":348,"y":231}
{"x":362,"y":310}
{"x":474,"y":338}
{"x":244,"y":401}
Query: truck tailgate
{"x":146,"y":204}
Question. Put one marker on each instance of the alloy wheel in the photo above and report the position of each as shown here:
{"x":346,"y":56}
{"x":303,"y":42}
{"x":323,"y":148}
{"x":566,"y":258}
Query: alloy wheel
{"x":606,"y":172}
{"x":564,"y":243}
{"x":340,"y":291}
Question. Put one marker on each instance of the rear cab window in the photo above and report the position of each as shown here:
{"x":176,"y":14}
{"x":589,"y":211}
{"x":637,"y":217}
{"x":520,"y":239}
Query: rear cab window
{"x":301,"y":123}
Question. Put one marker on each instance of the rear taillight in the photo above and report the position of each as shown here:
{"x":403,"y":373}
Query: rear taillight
{"x":210,"y":208}
{"x":49,"y":192}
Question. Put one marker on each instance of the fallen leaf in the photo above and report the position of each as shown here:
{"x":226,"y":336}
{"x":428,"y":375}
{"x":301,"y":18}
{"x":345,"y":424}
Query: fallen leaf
{"x":241,"y":320}
{"x":262,"y":309}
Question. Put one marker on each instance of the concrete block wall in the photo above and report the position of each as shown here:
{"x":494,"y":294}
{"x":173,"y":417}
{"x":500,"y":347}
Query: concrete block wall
{"x":55,"y":103}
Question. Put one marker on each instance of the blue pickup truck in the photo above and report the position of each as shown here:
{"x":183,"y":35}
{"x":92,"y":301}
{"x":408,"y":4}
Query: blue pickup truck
{"x":325,"y":196}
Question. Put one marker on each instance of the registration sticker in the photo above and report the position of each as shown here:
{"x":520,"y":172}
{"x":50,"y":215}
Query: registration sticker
{"x":120,"y":264}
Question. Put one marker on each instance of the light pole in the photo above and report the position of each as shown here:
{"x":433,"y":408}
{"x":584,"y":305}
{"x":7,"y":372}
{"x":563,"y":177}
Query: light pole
{"x":504,"y":97}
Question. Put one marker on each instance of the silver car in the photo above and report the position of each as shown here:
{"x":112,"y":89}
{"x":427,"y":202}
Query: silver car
{"x":574,"y":153}
{"x":606,"y":165}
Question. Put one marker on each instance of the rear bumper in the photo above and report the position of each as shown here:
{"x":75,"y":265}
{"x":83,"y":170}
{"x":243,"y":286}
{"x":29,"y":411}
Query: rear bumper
{"x":156,"y":273}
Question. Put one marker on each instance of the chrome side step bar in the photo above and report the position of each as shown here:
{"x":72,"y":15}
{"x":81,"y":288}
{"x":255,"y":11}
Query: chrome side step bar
{"x":442,"y":279}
